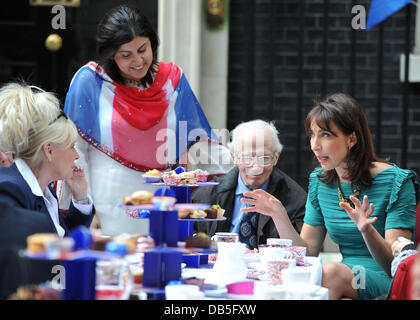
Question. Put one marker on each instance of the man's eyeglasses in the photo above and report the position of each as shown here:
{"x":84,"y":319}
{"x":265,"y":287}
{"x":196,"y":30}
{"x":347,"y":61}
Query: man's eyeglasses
{"x":62,"y":114}
{"x":263,"y":161}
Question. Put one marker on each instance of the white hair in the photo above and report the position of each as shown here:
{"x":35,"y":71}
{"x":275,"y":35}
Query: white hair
{"x":251,"y":126}
{"x":28,"y":119}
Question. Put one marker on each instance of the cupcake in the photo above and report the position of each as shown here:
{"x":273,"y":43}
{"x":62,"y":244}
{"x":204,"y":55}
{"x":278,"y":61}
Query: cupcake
{"x":184,"y":213}
{"x":152,"y":176}
{"x":37,"y":242}
{"x":200,"y":175}
{"x":138,"y":198}
{"x":187,"y":178}
{"x":171,"y":178}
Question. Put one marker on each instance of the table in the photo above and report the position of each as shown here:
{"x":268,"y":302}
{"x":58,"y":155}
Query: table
{"x":316,"y":292}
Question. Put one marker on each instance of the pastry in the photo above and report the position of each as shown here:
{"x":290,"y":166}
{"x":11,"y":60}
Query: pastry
{"x":164,"y":203}
{"x":184,"y":213}
{"x":37,"y":242}
{"x":201,"y":240}
{"x":139,"y":197}
{"x":152,"y":176}
{"x":130,"y":240}
{"x":211,"y":213}
{"x":187,"y":178}
{"x":36,"y":292}
{"x":198,"y":214}
{"x":153,"y":173}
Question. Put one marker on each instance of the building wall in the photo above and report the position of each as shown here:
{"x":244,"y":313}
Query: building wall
{"x":200,"y":49}
{"x":281,"y":50}
{"x":24,"y":28}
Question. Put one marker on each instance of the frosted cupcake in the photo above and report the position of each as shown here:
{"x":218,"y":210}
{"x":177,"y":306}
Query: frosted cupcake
{"x":200,"y":175}
{"x":152,"y":176}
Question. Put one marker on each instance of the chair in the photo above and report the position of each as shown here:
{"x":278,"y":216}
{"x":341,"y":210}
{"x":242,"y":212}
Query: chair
{"x":402,"y":283}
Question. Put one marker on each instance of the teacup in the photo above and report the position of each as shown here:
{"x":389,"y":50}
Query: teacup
{"x":298,"y":253}
{"x":298,"y":275}
{"x":275,"y":269}
{"x":273,"y":253}
{"x":225,"y":237}
{"x":282,"y":243}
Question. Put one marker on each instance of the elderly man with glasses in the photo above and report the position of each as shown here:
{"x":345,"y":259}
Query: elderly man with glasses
{"x":255,"y":149}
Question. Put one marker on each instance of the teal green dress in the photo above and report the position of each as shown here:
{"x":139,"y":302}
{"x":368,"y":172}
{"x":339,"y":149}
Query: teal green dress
{"x":393,"y":195}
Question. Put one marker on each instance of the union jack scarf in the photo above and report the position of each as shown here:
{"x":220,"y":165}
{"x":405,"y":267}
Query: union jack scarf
{"x":141,"y":129}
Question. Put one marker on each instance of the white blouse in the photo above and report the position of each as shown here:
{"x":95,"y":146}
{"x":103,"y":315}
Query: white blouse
{"x":49,"y":199}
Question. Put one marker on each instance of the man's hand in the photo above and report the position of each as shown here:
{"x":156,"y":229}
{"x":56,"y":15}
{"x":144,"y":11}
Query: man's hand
{"x":262,"y":202}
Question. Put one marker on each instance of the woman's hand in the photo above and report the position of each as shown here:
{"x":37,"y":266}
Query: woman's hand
{"x":78,"y":183}
{"x":361,"y":213}
{"x":96,"y":223}
{"x":262,"y":202}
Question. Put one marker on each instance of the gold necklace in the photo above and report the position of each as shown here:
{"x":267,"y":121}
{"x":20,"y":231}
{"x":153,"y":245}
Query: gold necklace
{"x":356,"y":193}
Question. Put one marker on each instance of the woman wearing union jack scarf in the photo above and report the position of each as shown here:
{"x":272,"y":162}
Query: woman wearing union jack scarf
{"x":133,"y":114}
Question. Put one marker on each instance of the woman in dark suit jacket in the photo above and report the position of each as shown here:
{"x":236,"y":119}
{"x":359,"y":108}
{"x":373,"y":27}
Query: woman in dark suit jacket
{"x":16,"y":224}
{"x":41,"y":138}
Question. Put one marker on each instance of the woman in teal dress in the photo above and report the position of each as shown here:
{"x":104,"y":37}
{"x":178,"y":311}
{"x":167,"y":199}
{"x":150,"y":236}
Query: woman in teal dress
{"x":365,"y":203}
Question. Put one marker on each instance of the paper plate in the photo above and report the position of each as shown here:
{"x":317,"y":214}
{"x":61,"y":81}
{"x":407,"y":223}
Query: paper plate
{"x":177,"y":206}
{"x":204,"y":219}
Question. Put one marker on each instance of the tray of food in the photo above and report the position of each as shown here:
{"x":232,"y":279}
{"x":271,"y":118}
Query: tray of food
{"x":213,"y":213}
{"x":176,"y":206}
{"x":49,"y":246}
{"x":178,"y":177}
{"x":139,"y":204}
{"x":198,"y":184}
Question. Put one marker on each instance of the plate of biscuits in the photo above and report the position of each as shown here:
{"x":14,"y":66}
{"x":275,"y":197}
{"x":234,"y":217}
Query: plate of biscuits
{"x":136,"y":205}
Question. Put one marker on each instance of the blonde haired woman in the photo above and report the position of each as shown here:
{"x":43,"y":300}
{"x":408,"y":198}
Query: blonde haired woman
{"x":42,"y":139}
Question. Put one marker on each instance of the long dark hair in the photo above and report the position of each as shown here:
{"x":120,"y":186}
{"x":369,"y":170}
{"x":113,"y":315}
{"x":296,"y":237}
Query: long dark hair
{"x":347,"y":114}
{"x":121,"y":25}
